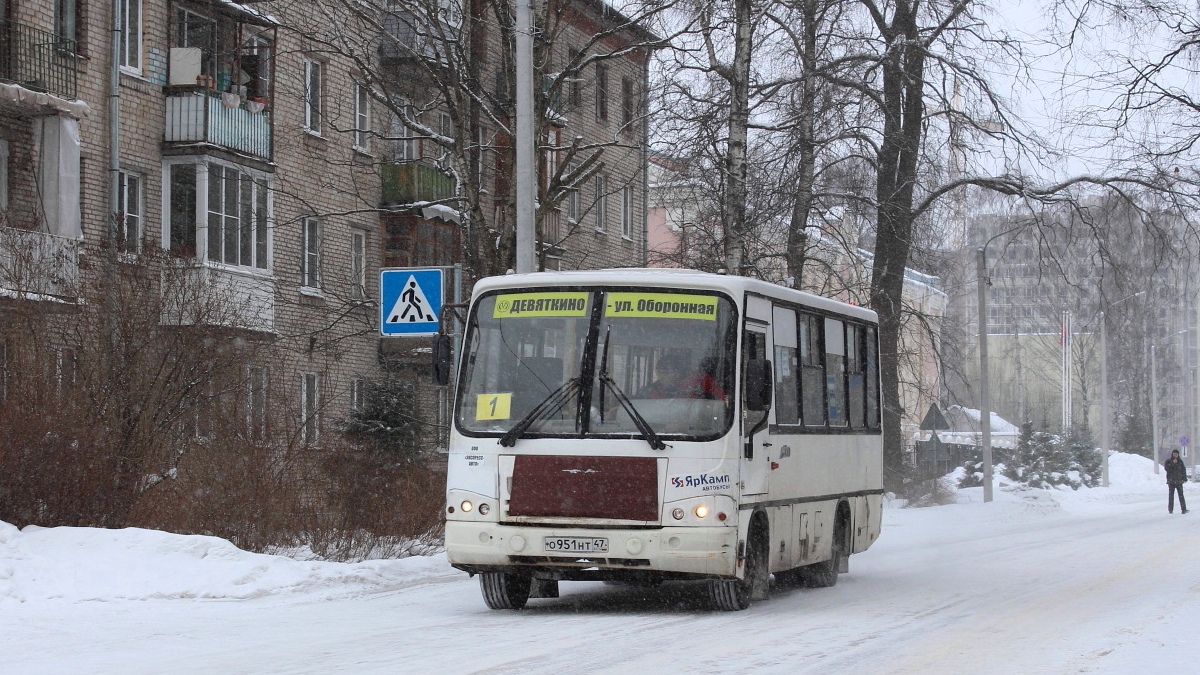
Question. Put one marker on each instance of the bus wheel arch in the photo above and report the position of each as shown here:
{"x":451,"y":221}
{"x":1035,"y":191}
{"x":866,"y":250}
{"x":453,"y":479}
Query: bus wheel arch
{"x":737,"y":594}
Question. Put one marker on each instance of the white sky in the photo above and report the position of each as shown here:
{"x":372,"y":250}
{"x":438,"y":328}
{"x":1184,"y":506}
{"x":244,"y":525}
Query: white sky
{"x":1099,"y":581}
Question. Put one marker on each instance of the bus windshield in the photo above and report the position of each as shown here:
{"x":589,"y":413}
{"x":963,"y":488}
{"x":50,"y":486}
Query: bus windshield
{"x":598,"y":362}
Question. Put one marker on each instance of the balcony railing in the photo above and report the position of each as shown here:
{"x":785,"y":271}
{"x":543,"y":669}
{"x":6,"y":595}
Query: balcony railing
{"x":415,"y":182}
{"x":38,"y":60}
{"x":202,"y":115}
{"x":38,"y":266}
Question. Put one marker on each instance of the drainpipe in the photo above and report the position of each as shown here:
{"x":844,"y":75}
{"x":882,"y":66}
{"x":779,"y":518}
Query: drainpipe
{"x":114,"y":126}
{"x":114,"y":168}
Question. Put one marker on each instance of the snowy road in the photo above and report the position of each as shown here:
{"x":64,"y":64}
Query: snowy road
{"x":1102,"y":581}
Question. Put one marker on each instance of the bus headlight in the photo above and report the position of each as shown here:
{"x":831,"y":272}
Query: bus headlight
{"x":466,"y":506}
{"x":677,"y":514}
{"x":484,"y":509}
{"x":702,"y":511}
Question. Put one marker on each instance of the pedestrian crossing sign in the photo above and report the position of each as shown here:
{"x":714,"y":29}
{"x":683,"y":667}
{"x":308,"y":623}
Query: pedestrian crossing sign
{"x":410,"y":301}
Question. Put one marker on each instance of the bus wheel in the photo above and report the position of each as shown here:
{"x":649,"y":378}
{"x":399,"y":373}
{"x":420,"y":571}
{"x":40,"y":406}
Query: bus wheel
{"x":734,"y":595}
{"x":504,"y":591}
{"x":825,"y":574}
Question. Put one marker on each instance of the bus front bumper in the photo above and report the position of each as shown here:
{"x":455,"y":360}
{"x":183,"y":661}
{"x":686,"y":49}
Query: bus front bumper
{"x":672,"y":551}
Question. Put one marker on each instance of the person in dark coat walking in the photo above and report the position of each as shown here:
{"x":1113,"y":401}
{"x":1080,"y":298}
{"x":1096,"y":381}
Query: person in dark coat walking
{"x":1176,"y":477}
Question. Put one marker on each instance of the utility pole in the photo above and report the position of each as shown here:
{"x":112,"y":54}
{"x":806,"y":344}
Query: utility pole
{"x":526,"y":237}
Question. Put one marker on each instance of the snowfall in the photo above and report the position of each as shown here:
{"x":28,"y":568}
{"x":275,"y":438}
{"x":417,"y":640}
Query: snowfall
{"x":1102,"y":580}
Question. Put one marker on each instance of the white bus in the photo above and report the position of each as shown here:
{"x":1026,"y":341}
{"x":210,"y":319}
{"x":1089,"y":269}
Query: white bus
{"x":579,"y":452}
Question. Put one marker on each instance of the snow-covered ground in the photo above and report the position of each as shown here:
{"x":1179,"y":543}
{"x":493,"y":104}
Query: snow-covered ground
{"x":1098,"y":581}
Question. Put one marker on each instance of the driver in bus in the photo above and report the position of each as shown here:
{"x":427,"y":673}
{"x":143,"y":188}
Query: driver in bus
{"x":676,"y":379}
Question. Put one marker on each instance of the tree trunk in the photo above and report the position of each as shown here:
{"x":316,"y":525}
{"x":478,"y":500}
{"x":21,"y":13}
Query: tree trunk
{"x":735,"y":159}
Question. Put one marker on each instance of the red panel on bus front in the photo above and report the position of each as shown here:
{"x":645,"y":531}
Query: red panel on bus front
{"x":622,"y":488}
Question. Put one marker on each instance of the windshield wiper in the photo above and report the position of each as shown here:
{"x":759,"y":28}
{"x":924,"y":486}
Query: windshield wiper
{"x":642,"y":425}
{"x":549,"y":405}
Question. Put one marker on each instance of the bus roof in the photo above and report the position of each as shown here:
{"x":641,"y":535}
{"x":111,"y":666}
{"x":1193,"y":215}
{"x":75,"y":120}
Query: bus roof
{"x":678,"y":278}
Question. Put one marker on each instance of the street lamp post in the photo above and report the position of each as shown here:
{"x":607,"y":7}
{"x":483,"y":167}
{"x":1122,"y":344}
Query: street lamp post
{"x":1153,"y":409}
{"x":985,"y":403}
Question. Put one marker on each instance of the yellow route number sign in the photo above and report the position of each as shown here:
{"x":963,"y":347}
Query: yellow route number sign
{"x":493,"y":406}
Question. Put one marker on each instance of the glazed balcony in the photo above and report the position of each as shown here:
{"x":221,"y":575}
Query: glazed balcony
{"x":37,"y":266}
{"x":202,"y":295}
{"x":38,"y":60}
{"x":415,"y":182}
{"x":199,"y":115}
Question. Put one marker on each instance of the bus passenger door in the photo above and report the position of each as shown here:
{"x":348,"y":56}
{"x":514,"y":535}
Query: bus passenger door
{"x":756,"y":462}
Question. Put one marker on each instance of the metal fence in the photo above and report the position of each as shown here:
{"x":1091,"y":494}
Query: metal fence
{"x":201,"y":115}
{"x":38,"y":60}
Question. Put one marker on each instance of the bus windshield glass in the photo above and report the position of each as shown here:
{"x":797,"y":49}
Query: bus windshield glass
{"x":598,"y":362}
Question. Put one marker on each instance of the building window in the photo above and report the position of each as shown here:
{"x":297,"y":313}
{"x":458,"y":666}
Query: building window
{"x":314,"y":81}
{"x":358,"y":394}
{"x":3,"y":175}
{"x":131,"y":35}
{"x":235,"y":225}
{"x":628,"y":102}
{"x":414,"y":241}
{"x":362,"y":118}
{"x":404,"y":141}
{"x":66,"y":23}
{"x":198,"y":32}
{"x":223,"y":209}
{"x":358,"y":265}
{"x":627,"y":212}
{"x":66,"y":368}
{"x":601,"y":206}
{"x":310,"y":408}
{"x":129,"y":212}
{"x":552,"y":152}
{"x":601,"y":92}
{"x":256,"y":402}
{"x":310,"y":256}
{"x":573,"y":197}
{"x":3,"y":370}
{"x":574,"y":83}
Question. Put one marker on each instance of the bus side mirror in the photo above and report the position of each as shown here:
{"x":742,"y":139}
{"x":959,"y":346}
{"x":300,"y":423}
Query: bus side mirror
{"x":758,"y":384}
{"x":441,"y":360}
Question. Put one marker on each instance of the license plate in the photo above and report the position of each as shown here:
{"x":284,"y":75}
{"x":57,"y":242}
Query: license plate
{"x":576,"y":544}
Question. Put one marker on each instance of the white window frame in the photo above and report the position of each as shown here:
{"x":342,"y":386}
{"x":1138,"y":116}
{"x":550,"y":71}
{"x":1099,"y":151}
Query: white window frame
{"x":265,"y":233}
{"x":362,"y":118}
{"x":553,"y":139}
{"x":257,"y":386}
{"x":310,"y":253}
{"x":3,"y":175}
{"x":310,"y":408}
{"x":314,"y":101}
{"x":404,"y":142}
{"x":131,"y":33}
{"x":627,"y":212}
{"x":358,"y":264}
{"x":130,"y":238}
{"x":601,"y":204}
{"x":358,"y":396}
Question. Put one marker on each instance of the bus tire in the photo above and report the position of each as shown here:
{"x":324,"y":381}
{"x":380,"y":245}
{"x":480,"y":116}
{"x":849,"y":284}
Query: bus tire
{"x":734,"y":595}
{"x":502,"y":590}
{"x":825,"y":574}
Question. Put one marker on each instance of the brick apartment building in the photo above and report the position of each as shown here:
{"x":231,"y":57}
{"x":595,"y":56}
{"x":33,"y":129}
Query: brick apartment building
{"x":263,"y":184}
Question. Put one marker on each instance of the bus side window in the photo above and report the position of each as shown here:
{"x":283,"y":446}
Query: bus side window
{"x":835,"y":374}
{"x":812,"y":371}
{"x":787,"y":386}
{"x":872,"y":369}
{"x":856,"y":376}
